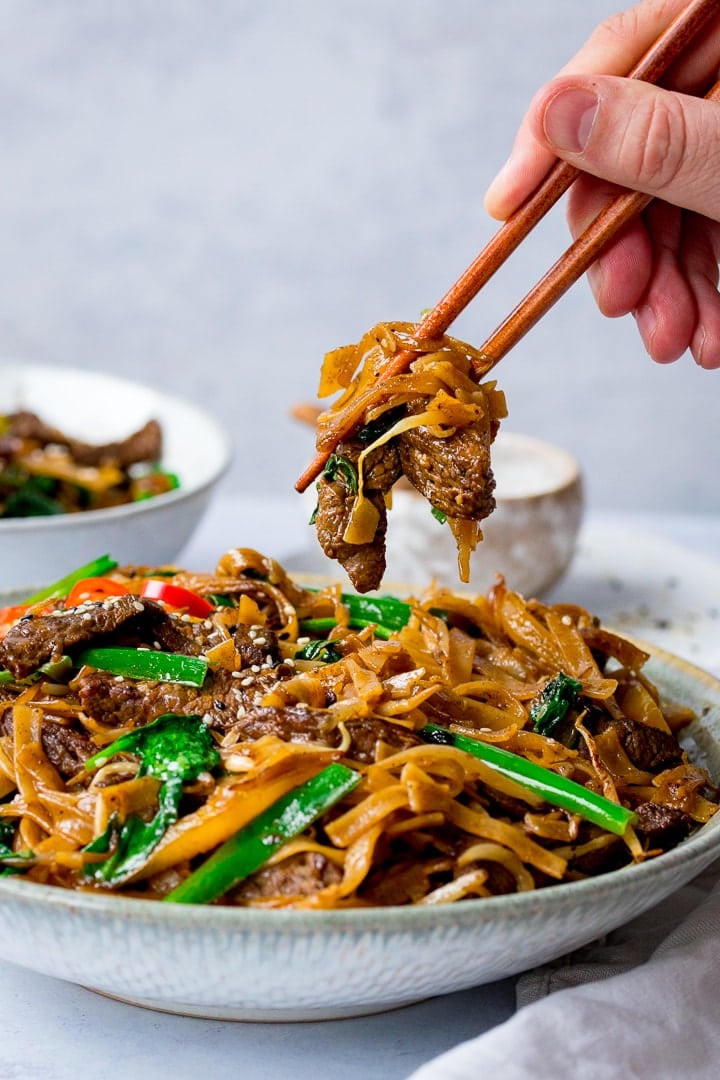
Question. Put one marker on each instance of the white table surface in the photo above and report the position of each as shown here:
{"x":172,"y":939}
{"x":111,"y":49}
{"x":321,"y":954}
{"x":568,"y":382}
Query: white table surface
{"x":56,"y":1030}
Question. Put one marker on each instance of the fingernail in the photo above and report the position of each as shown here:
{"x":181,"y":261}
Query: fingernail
{"x":568,"y":119}
{"x":646,"y":323}
{"x":496,"y":184}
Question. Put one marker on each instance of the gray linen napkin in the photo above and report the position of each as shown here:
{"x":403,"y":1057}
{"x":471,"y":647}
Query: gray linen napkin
{"x":643,"y":1003}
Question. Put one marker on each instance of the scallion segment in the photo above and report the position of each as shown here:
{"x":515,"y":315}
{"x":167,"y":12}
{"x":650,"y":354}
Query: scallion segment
{"x":553,"y":788}
{"x":147,"y":664}
{"x":253,"y":845}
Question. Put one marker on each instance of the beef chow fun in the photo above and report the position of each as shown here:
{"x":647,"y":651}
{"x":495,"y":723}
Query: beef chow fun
{"x":433,"y":424}
{"x":237,"y":737}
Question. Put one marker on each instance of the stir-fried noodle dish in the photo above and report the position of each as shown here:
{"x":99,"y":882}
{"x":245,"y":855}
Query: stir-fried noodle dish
{"x":239,"y":738}
{"x":434,"y":424}
{"x":45,"y":471}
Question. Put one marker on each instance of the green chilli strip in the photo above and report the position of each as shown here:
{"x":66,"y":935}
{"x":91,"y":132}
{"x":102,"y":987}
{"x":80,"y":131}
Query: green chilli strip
{"x":253,"y":845}
{"x":97,"y":568}
{"x":147,"y":664}
{"x":554,"y":789}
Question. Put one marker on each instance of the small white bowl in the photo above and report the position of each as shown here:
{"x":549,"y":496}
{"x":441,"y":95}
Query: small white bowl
{"x":529,"y":538}
{"x":100,"y":408}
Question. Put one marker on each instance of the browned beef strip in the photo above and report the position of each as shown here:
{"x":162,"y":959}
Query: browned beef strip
{"x":647,"y":747}
{"x":663,"y":826}
{"x":296,"y":723}
{"x":119,"y":620}
{"x":129,"y":701}
{"x":363,"y":563}
{"x":36,"y":639}
{"x":142,"y":445}
{"x":453,"y":474}
{"x":255,"y":645}
{"x":66,"y":747}
{"x":299,"y":875}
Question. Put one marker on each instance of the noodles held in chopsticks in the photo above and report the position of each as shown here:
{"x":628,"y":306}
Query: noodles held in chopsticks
{"x":452,"y":735}
{"x":433,"y":423}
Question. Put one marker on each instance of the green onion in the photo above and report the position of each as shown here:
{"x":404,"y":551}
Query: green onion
{"x":97,"y":568}
{"x":253,"y":845}
{"x":147,"y":664}
{"x":554,"y":789}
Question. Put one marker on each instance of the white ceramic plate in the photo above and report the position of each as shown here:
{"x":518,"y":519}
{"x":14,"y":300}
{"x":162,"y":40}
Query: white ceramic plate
{"x":99,"y":408}
{"x":247,"y":964}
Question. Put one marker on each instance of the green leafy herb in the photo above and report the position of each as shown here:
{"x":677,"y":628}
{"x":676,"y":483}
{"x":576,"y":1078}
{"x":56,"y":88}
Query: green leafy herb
{"x":377,"y":428}
{"x":551,"y":706}
{"x":439,"y":515}
{"x":319,"y":650}
{"x":174,"y":749}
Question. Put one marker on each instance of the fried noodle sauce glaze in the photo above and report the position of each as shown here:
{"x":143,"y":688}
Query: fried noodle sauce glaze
{"x":238,"y":738}
{"x":433,"y":424}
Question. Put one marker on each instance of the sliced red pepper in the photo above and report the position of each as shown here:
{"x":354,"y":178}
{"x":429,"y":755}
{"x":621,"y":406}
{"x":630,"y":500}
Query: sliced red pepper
{"x":90,"y":589}
{"x":175,"y":596}
{"x":10,"y":615}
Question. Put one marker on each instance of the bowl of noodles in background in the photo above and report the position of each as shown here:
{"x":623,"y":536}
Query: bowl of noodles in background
{"x":99,"y":409}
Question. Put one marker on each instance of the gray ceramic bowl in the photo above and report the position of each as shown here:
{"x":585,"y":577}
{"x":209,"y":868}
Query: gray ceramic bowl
{"x":243,"y":964}
{"x":98,"y":408}
{"x":529,"y":538}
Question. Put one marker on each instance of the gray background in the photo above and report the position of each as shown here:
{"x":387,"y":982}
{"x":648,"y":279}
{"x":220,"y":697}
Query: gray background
{"x":209,"y":195}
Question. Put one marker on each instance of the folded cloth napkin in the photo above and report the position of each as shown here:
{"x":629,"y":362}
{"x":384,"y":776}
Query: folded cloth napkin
{"x":641,"y":1004}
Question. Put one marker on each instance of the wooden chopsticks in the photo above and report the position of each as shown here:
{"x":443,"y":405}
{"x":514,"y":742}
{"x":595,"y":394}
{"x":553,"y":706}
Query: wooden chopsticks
{"x":671,"y":44}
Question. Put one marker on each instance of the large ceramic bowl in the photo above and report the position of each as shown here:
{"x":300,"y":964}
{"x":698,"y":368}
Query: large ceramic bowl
{"x":248,"y":964}
{"x":100,"y":408}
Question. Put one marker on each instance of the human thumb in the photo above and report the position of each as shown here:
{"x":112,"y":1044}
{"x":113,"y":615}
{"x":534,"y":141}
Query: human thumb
{"x":636,"y":135}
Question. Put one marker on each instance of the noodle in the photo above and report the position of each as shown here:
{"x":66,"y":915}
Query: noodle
{"x":433,"y":424}
{"x":294,"y":680}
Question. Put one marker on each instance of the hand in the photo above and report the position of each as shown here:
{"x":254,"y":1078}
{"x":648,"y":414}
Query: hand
{"x":621,"y":132}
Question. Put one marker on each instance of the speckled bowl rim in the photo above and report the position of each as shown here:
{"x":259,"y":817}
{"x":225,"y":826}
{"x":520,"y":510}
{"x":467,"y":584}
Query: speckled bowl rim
{"x":702,"y":847}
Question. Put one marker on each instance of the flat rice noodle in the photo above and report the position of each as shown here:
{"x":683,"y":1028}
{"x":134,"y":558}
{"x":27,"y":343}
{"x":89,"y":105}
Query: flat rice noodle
{"x":366,"y":815}
{"x":556,"y":825}
{"x":616,"y":761}
{"x":577,"y":660}
{"x":471,"y":883}
{"x":489,"y":852}
{"x":638,"y":704}
{"x":125,"y":799}
{"x":681,"y":788}
{"x":479,"y":823}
